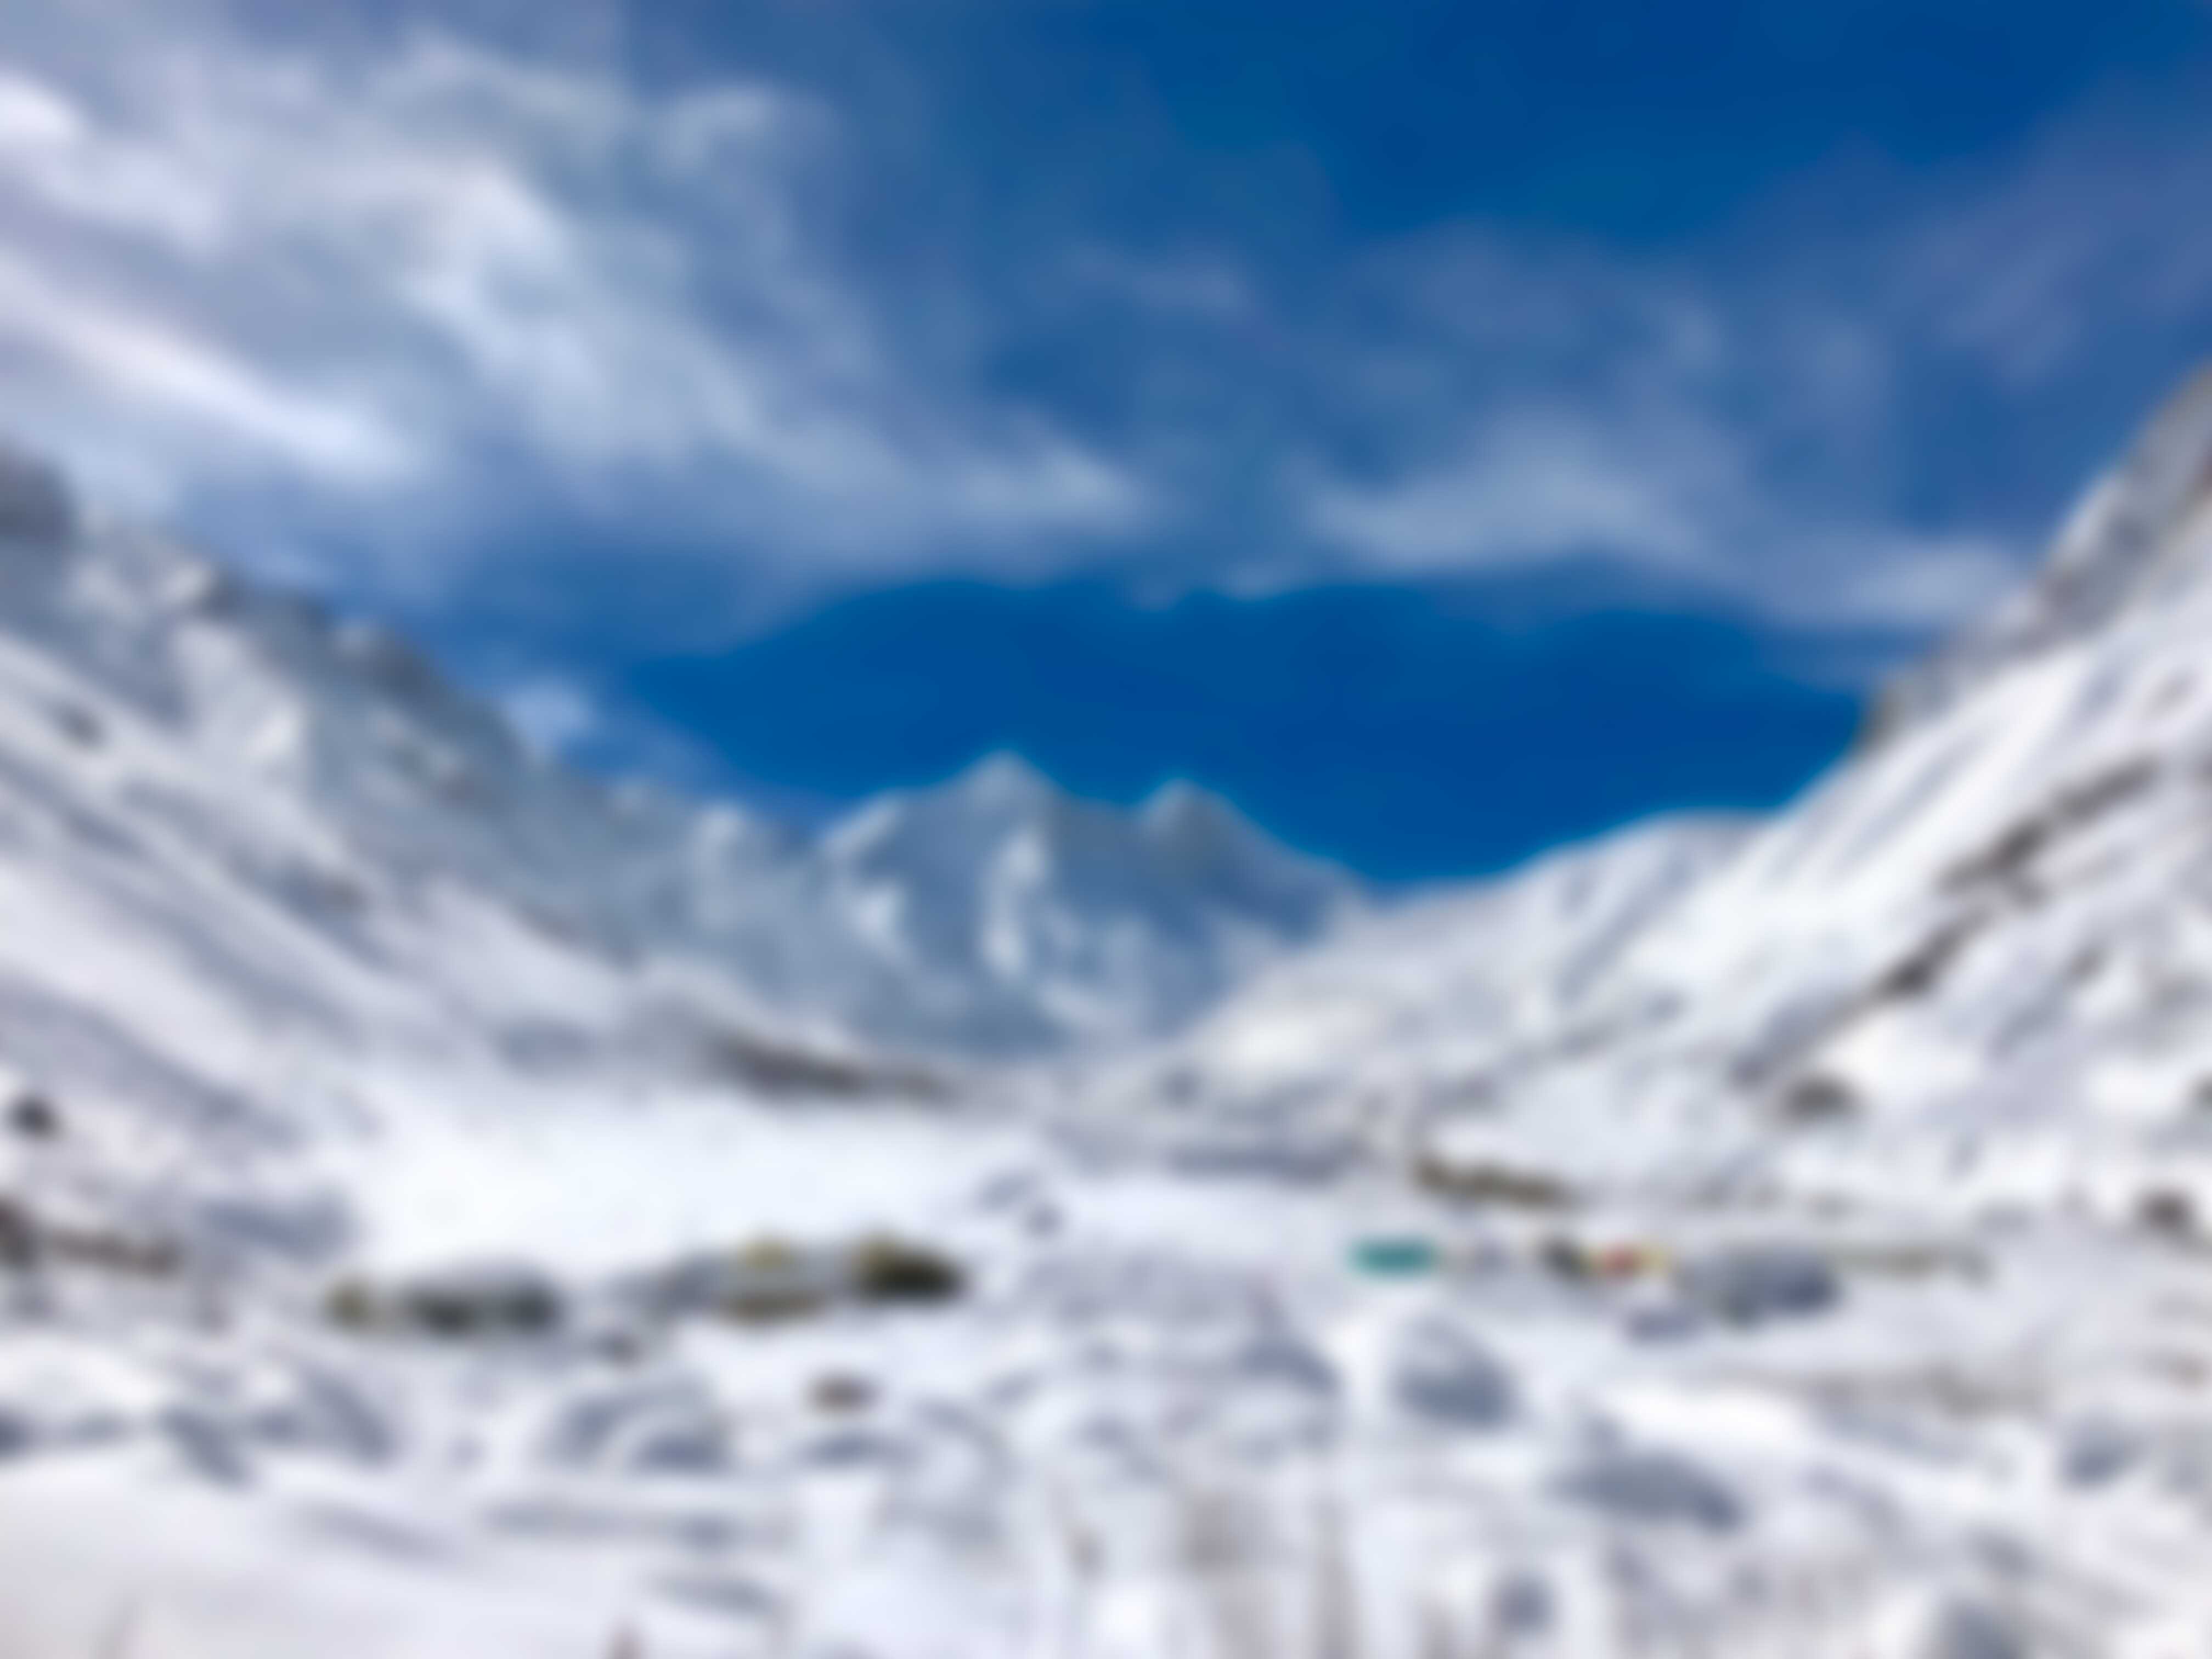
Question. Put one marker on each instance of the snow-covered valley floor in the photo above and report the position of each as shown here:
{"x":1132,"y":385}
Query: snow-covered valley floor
{"x":1174,"y":1412}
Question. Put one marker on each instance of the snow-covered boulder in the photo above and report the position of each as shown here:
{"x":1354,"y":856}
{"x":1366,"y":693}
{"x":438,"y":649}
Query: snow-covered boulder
{"x":1654,"y":1487}
{"x":1442,"y":1376}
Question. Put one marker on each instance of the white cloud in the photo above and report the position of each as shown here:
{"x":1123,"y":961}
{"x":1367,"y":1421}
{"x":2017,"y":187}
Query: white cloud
{"x":2103,"y":218}
{"x":1684,"y":500}
{"x":1777,"y":431}
{"x":389,"y":267}
{"x":132,"y":353}
{"x":439,"y":290}
{"x":1884,"y":579}
{"x":1861,"y":406}
{"x":1527,"y":487}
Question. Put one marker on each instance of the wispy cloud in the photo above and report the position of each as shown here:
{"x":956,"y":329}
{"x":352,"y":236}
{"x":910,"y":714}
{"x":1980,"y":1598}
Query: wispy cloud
{"x":438,"y":291}
{"x":168,"y":370}
{"x":1823,"y":420}
{"x":386,"y":268}
{"x":2101,"y":222}
{"x":1528,"y":486}
{"x":1684,"y":505}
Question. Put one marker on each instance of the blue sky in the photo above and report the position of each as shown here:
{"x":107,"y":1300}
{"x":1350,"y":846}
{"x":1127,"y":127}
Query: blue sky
{"x":1447,"y":428}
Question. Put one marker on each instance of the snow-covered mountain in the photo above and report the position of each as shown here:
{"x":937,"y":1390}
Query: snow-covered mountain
{"x":1425,"y":1010}
{"x":232,"y":816}
{"x":1980,"y":953}
{"x":2129,"y":539}
{"x":1030,"y":918}
{"x":1754,"y":1240}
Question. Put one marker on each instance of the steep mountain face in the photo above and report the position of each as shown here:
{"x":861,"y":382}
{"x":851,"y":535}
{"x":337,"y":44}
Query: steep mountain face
{"x":2127,"y":543}
{"x":1030,"y":916}
{"x":263,"y":878}
{"x":1978,"y":957}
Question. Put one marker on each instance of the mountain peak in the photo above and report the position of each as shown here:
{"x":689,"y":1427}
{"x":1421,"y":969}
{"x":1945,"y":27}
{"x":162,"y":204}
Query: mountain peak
{"x":1178,"y":803}
{"x":2124,"y":531}
{"x":2125,"y":542}
{"x":1199,"y":827}
{"x":1006,"y":779}
{"x":999,"y":791}
{"x":1038,"y":917}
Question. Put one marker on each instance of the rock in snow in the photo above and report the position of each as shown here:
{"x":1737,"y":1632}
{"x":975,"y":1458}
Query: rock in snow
{"x":1443,"y":1375}
{"x":1749,"y":1284}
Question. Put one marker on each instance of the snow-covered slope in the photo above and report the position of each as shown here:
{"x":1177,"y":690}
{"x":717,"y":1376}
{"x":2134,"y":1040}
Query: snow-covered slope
{"x":1410,"y":1011}
{"x":2127,"y":540}
{"x":269,"y":883}
{"x":1980,"y":954}
{"x":226,"y":804}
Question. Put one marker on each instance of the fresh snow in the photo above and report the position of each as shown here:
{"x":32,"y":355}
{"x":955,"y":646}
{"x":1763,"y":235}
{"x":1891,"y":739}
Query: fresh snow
{"x":1730,"y":1238}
